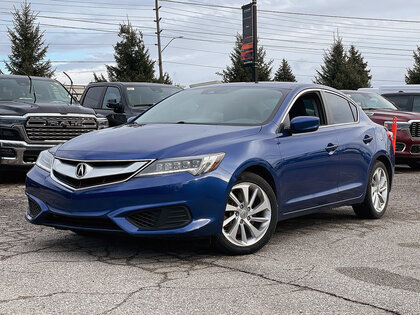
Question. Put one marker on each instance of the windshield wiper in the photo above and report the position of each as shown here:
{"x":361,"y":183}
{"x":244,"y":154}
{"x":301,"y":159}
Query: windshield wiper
{"x":138,"y":105}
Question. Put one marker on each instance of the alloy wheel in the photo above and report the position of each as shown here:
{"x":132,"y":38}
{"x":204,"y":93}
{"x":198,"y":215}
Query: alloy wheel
{"x":379,"y":189}
{"x":247,"y":215}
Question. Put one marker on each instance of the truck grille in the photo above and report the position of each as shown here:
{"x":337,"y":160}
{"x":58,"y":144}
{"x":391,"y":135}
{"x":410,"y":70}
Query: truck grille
{"x":57,"y":128}
{"x":415,"y":129}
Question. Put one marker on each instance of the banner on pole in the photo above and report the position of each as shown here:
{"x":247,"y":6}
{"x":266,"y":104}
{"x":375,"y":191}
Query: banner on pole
{"x":247,"y":49}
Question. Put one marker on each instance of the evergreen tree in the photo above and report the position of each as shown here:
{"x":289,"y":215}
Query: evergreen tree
{"x":238,"y":73}
{"x":165,"y":79}
{"x":359,"y":74}
{"x":284,"y":73}
{"x":28,"y":46}
{"x":132,"y":58}
{"x":98,"y":78}
{"x":413,"y":75}
{"x":334,"y":72}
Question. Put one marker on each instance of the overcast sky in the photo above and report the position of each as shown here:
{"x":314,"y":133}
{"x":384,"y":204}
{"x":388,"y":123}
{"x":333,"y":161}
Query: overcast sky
{"x":81,"y":34}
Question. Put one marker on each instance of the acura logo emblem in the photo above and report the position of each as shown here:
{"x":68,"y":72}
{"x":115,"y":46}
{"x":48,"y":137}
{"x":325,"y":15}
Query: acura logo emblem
{"x":81,"y":170}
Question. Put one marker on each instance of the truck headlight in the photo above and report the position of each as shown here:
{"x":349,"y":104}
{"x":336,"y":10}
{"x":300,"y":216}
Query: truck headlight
{"x":45,"y":160}
{"x":102,"y":122}
{"x":196,"y":165}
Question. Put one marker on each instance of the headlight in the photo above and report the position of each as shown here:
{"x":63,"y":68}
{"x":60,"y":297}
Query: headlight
{"x":400,"y":125}
{"x":102,"y":122}
{"x":196,"y":165}
{"x":11,"y":120}
{"x":45,"y":160}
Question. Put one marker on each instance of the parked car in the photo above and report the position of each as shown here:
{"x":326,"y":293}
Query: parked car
{"x":227,"y":161}
{"x":36,"y":114}
{"x":119,"y":101}
{"x":382,"y":111}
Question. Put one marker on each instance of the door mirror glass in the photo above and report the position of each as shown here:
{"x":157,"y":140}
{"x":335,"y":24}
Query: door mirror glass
{"x":302,"y":124}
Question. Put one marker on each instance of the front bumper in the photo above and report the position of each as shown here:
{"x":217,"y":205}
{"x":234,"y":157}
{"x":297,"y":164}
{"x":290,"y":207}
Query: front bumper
{"x":20,"y":153}
{"x":204,"y":196}
{"x":408,"y":148}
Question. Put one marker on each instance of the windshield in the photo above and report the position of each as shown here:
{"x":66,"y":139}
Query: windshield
{"x":229,"y":105}
{"x":17,"y":89}
{"x":371,"y":101}
{"x":148,"y":95}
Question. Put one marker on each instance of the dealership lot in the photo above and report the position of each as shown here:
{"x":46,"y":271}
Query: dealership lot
{"x":330,"y":262}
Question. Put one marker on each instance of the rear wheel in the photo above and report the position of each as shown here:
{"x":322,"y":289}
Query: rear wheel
{"x":376,"y":199}
{"x":250,"y":216}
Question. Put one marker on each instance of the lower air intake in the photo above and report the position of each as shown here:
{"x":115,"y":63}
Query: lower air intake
{"x":161,"y":218}
{"x":34,"y":208}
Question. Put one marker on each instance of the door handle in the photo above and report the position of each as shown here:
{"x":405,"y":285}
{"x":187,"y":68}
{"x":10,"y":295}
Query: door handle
{"x":367,"y":139}
{"x":331,"y":148}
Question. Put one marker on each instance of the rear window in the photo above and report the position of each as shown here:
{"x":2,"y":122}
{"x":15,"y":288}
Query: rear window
{"x":402,"y":101}
{"x":339,"y":109}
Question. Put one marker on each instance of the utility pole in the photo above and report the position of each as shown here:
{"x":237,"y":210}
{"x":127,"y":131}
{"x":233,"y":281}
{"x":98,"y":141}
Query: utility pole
{"x":158,"y":31}
{"x":254,"y":44}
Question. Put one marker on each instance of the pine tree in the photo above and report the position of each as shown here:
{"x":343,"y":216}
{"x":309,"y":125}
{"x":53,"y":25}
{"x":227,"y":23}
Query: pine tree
{"x":359,"y":74}
{"x":334,"y":72}
{"x":238,"y":73}
{"x":98,"y":78}
{"x":132,"y":58}
{"x":413,"y":75}
{"x":28,"y":46}
{"x":165,"y":79}
{"x":284,"y":73}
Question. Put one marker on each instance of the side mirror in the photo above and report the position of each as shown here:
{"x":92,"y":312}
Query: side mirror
{"x":117,"y":107}
{"x":302,"y":124}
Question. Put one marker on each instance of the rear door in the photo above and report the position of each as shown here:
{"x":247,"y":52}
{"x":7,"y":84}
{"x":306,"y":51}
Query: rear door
{"x":112,"y":93}
{"x":308,"y":172}
{"x":356,"y":142}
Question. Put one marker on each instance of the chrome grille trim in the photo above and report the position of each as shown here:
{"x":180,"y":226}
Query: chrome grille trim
{"x":415,"y":129}
{"x":123,"y":169}
{"x":58,"y":128}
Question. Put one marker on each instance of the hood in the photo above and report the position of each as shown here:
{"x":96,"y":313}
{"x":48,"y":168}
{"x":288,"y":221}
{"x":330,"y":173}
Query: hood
{"x":382,"y":115}
{"x":21,"y":108}
{"x":153,"y":141}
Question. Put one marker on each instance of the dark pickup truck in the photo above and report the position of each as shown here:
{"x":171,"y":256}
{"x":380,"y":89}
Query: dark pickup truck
{"x":118,"y":101}
{"x":37,"y":114}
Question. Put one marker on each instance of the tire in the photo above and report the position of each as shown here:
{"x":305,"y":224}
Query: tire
{"x":415,"y":165}
{"x":249,"y":222}
{"x":377,"y":194}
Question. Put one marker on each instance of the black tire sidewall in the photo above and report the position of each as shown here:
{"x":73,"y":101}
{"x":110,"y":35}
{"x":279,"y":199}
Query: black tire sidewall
{"x":372,"y":212}
{"x":226,"y":246}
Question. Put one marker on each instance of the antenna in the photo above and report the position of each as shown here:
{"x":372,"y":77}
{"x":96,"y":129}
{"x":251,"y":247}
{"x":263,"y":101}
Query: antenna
{"x":71,"y":87}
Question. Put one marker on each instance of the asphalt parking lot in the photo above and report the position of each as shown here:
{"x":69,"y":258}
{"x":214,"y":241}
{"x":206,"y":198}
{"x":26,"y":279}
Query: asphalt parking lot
{"x":330,"y":262}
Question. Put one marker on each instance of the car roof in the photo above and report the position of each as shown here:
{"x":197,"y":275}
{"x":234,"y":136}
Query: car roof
{"x":132,"y":84}
{"x":358,"y":92}
{"x":11,"y":76}
{"x":272,"y":84}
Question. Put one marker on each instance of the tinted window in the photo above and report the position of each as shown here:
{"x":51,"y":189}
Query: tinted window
{"x":112,"y":93}
{"x":230,"y":105}
{"x":93,"y":97}
{"x":402,"y":101}
{"x":148,"y":95}
{"x":339,"y":109}
{"x":416,"y":104}
{"x":307,"y":105}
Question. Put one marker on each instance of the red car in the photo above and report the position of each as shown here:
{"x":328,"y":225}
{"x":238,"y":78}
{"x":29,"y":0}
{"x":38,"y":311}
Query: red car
{"x":382,"y":111}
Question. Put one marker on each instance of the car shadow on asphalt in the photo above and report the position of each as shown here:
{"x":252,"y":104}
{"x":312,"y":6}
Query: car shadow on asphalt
{"x":13,"y":177}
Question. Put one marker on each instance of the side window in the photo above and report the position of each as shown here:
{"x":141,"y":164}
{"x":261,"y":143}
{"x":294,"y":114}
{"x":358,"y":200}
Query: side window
{"x":112,"y":93}
{"x":416,"y":104}
{"x":339,"y":109}
{"x":307,"y":105}
{"x":402,"y":101}
{"x":93,"y":97}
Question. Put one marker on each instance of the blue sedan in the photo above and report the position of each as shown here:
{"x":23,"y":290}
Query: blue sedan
{"x":226,"y":161}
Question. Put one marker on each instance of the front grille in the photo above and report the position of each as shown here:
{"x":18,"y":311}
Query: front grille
{"x":89,"y":182}
{"x":399,"y":147}
{"x":161,"y":218}
{"x":415,"y":149}
{"x":34,"y":208}
{"x":102,"y":223}
{"x":415,"y":129}
{"x":58,"y":128}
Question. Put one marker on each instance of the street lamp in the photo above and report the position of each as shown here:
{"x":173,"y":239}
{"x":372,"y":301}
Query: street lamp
{"x":170,"y":42}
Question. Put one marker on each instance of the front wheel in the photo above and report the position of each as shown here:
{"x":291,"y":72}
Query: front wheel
{"x":250,"y":216}
{"x":377,"y":193}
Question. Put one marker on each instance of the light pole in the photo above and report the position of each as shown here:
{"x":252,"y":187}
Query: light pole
{"x":171,"y":42}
